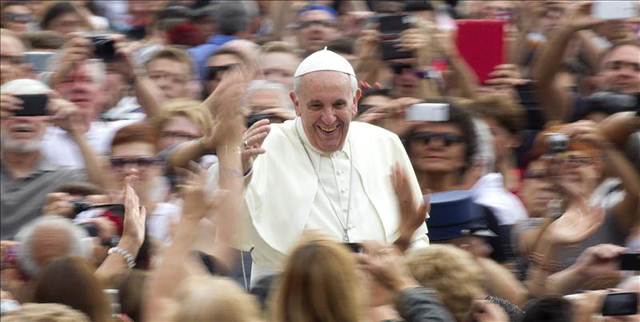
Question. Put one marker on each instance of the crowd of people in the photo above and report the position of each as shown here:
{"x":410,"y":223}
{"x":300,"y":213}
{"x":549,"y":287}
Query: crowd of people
{"x":203,"y":160}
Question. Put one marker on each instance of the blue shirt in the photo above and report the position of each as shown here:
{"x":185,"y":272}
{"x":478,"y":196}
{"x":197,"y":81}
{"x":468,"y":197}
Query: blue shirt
{"x":201,"y":53}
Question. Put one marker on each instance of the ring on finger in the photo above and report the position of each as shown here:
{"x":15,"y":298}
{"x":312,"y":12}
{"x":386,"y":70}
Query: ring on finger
{"x":246,"y":145}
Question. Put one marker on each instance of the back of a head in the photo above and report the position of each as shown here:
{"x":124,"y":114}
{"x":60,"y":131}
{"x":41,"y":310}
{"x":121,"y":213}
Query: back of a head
{"x":49,"y":312}
{"x":452,"y":272}
{"x":319,"y":283}
{"x":214,"y":299}
{"x":548,"y":309}
{"x":70,"y":281}
{"x":232,"y":17}
{"x":46,"y":239}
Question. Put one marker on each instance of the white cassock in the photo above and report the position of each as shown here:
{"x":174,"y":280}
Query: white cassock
{"x":286,"y":196}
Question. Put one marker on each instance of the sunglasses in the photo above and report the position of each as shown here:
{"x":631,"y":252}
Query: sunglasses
{"x":576,"y":161}
{"x":141,"y":162}
{"x":535,"y":174}
{"x":400,"y":68}
{"x":323,"y":23}
{"x":447,"y":138}
{"x":215,"y":72}
{"x":17,"y":17}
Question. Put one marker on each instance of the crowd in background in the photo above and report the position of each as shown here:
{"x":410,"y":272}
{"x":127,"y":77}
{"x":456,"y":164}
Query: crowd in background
{"x":123,"y":200}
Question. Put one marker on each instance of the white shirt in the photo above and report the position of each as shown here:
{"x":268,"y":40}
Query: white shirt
{"x":489,"y":191}
{"x":59,"y":148}
{"x":286,"y":196}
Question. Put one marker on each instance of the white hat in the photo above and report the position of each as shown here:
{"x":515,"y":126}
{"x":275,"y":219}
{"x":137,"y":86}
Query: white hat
{"x":324,"y":60}
{"x":25,"y":86}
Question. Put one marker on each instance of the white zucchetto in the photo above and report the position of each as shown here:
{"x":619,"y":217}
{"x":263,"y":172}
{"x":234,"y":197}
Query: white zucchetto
{"x":324,"y":60}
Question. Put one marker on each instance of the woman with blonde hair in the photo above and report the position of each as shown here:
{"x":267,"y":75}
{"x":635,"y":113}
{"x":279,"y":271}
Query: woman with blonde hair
{"x":453,"y":273}
{"x":319,"y":283}
{"x":197,"y":301}
{"x":181,"y":121}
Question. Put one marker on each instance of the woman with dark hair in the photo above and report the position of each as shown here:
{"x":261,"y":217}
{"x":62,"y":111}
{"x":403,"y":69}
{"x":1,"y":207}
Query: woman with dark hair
{"x":70,"y":281}
{"x":63,"y":17}
{"x":442,"y":152}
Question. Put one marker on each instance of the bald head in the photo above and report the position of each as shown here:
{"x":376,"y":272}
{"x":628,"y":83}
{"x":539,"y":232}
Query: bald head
{"x":47,"y":239}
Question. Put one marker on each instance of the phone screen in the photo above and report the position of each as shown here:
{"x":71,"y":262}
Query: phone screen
{"x":33,"y":105}
{"x":611,"y":10}
{"x":620,"y":304}
{"x":630,"y":261}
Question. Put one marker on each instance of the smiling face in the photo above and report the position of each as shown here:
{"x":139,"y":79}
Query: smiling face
{"x":436,"y":155}
{"x":326,"y":104}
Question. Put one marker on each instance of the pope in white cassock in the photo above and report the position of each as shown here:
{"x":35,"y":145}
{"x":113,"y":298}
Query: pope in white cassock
{"x":323,"y":172}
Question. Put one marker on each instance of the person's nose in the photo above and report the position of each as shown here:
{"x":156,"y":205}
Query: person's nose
{"x":329,"y":116}
{"x":131,"y":169}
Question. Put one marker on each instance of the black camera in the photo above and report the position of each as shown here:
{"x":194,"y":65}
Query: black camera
{"x":557,"y":143}
{"x":103,"y":47}
{"x":613,"y":102}
{"x":391,"y":26}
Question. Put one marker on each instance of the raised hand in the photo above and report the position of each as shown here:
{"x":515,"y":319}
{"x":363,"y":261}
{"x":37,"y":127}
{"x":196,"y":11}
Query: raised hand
{"x":413,"y":213}
{"x":599,"y":260}
{"x":384,"y":262}
{"x":9,"y":104}
{"x":134,"y":219}
{"x":581,"y":18}
{"x":576,"y":225}
{"x":78,"y":48}
{"x":252,"y":143}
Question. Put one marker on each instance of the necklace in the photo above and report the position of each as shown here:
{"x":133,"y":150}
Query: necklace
{"x":345,"y":227}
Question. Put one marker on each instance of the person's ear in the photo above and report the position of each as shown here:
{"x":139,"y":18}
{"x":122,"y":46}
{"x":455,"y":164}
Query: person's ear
{"x":296,"y":103}
{"x":356,"y":98}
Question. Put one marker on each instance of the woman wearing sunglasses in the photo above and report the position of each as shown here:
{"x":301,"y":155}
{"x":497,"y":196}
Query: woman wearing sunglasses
{"x":441,"y":152}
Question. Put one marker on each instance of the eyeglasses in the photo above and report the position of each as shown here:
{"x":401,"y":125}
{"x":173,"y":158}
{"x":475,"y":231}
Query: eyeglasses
{"x":215,"y":72}
{"x":17,"y":17}
{"x":400,"y":68}
{"x":323,"y":23}
{"x":573,"y":160}
{"x":535,"y":174}
{"x":141,"y":162}
{"x":176,"y":78}
{"x":447,"y":138}
{"x":178,"y":135}
{"x":12,"y":60}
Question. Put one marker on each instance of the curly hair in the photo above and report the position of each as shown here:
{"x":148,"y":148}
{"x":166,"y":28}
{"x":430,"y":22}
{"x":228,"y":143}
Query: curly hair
{"x":452,"y":272}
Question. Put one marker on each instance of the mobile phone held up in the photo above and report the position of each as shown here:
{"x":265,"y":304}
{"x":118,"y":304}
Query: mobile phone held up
{"x":624,"y":303}
{"x":630,"y":261}
{"x":33,"y":105}
{"x":615,"y":10}
{"x":390,"y":27}
{"x":428,"y":112}
{"x":355,"y":247}
{"x":481,"y":44}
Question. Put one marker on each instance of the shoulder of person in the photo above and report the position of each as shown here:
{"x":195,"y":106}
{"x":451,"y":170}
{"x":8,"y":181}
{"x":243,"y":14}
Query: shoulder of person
{"x":362,"y":130}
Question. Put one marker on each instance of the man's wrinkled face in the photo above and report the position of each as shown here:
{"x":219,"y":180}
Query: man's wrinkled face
{"x":81,"y":88}
{"x":620,"y":70}
{"x":315,"y":29}
{"x":170,"y":76}
{"x":22,"y":134}
{"x":437,"y":148}
{"x":279,"y":68}
{"x":326,"y":105}
{"x":11,"y":60}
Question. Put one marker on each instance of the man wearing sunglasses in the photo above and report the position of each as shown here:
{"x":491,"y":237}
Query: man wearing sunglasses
{"x":16,"y":16}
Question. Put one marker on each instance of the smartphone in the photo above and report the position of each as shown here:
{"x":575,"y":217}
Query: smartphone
{"x":481,"y":44}
{"x":355,"y":247}
{"x":624,"y":303}
{"x":38,"y":60}
{"x":612,"y":10}
{"x":33,"y":105}
{"x":390,"y":27}
{"x":428,"y":112}
{"x":630,"y":261}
